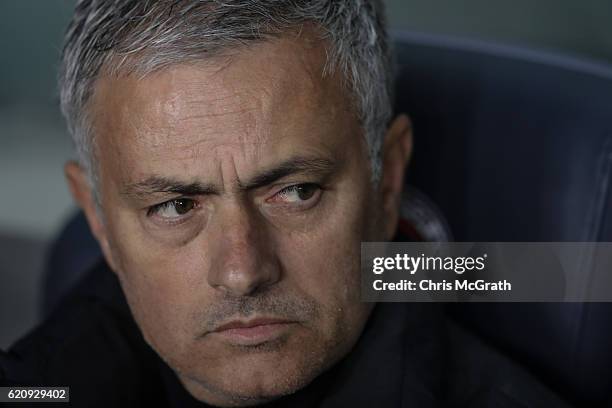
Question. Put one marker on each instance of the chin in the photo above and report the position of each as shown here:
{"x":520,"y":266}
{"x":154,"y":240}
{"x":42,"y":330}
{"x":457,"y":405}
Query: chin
{"x":255,"y":378}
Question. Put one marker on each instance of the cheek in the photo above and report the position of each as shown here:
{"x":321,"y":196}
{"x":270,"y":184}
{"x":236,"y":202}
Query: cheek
{"x":325,"y":264}
{"x":161,"y":286}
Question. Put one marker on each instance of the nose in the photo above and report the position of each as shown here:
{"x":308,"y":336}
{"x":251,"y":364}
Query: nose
{"x":243,"y":260}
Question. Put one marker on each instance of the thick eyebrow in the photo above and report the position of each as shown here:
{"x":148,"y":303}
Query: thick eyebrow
{"x":159,"y":184}
{"x":314,"y":166}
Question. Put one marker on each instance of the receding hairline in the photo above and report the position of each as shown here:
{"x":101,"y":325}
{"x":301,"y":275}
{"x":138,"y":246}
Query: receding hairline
{"x":309,"y":34}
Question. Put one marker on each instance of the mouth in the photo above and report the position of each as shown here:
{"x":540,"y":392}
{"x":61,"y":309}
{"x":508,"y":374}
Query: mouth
{"x":252,"y":332}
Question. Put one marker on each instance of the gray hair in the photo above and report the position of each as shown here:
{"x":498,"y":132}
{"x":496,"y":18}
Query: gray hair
{"x":126,"y":36}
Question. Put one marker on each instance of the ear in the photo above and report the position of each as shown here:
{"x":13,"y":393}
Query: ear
{"x":82,"y":193}
{"x":397,"y":149}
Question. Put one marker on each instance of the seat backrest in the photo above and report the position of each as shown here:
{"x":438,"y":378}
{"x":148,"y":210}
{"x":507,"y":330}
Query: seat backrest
{"x":516,"y":145}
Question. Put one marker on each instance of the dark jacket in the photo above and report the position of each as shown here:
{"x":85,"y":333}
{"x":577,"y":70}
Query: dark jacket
{"x":409,"y":355}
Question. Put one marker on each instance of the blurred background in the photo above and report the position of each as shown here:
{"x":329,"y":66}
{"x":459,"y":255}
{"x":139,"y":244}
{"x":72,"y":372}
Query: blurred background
{"x":34,"y":201}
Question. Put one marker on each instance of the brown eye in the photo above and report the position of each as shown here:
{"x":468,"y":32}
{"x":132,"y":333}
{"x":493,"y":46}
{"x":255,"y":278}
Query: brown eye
{"x":173,"y":208}
{"x":298,"y":193}
{"x":183,"y":206}
{"x":306,"y":191}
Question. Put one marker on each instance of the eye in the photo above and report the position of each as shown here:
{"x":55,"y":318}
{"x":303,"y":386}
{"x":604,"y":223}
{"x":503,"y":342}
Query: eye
{"x":172,"y":209}
{"x":297,"y":194}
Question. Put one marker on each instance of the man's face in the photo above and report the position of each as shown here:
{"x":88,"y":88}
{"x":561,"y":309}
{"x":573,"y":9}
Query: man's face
{"x":235,"y":195}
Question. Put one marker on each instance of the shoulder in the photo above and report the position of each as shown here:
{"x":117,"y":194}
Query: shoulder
{"x":481,"y":376}
{"x":89,"y":342}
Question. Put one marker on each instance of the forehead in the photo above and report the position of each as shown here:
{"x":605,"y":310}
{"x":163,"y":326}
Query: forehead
{"x":262,"y":101}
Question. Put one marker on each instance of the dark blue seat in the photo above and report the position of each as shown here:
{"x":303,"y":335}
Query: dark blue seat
{"x":516,"y":145}
{"x":513,"y":145}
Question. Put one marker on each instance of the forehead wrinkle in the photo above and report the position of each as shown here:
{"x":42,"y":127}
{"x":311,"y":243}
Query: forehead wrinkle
{"x":239,"y":131}
{"x":236,"y":110}
{"x":243,"y":142}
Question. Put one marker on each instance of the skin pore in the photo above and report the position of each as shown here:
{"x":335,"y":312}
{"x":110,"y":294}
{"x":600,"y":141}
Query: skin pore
{"x":240,"y":191}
